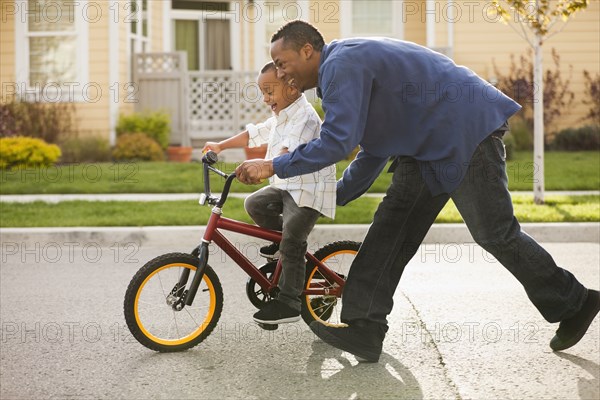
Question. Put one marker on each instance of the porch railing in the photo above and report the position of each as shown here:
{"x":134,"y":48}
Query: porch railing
{"x":202,"y":104}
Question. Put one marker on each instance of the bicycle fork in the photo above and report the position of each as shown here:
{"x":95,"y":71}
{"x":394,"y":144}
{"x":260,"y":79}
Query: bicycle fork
{"x":203,"y":257}
{"x":179,"y":297}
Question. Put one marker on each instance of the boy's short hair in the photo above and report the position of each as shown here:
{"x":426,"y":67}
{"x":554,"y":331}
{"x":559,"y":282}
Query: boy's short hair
{"x":297,"y":33}
{"x":268,"y":66}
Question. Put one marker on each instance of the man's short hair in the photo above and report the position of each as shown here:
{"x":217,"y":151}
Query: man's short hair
{"x":297,"y":33}
{"x":268,"y":66}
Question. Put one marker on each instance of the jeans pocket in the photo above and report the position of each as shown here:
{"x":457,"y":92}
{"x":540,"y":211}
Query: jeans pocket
{"x":500,"y":147}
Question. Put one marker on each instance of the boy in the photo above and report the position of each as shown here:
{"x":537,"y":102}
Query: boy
{"x":290,"y":205}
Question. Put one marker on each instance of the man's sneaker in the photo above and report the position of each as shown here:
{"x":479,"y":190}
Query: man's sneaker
{"x":270,"y":251}
{"x":570,"y":331}
{"x":361,"y":338}
{"x":276,"y":312}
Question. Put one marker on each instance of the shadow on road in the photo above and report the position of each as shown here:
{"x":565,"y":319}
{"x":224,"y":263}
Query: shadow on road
{"x":328,"y":367}
{"x":588,"y":388}
{"x":326,"y":373}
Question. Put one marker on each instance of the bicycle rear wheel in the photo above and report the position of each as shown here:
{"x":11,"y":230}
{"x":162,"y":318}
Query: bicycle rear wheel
{"x":149,"y":304}
{"x":338,"y":257}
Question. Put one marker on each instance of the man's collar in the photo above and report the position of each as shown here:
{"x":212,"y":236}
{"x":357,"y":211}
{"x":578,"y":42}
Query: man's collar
{"x":324,"y":54}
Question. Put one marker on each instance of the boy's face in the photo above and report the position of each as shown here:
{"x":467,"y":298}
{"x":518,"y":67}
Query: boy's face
{"x":276,"y":94}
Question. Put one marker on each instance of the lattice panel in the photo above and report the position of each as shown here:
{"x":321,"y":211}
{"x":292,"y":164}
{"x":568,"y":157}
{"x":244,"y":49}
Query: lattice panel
{"x":159,"y":62}
{"x":252,"y":108}
{"x":221,"y":103}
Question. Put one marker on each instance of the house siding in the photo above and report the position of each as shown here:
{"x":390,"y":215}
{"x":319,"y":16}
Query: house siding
{"x":413,"y":19}
{"x":7,"y":44}
{"x":93,"y":115}
{"x":325,"y":15}
{"x":479,"y":44}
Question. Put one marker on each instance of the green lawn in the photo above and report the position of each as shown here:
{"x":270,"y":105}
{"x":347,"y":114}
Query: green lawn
{"x":121,"y":213}
{"x":564,"y":171}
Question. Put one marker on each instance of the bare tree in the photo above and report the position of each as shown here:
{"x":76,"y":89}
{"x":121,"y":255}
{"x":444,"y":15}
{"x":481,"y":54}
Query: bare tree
{"x":536,"y":21}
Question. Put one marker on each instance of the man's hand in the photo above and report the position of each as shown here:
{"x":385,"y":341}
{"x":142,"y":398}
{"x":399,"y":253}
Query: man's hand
{"x":254,"y":171}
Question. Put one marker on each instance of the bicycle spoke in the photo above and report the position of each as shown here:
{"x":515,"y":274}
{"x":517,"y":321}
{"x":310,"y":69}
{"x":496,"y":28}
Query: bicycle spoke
{"x":151,"y":305}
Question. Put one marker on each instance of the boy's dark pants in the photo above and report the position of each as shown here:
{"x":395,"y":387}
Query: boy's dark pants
{"x":274,"y":208}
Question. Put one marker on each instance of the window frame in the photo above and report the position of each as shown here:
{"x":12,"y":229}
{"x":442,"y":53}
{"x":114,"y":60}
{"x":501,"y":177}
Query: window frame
{"x":346,"y":29}
{"x":138,"y":38}
{"x":200,"y":16}
{"x":51,"y":92}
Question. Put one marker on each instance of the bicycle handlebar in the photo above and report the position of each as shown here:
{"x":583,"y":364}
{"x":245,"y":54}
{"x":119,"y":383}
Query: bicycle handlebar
{"x":208,"y":160}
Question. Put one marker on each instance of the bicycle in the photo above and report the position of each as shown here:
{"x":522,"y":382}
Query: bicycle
{"x":166,"y":311}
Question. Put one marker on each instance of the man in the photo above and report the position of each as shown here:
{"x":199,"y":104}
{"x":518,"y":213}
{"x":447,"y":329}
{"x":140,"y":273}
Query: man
{"x":443,"y":125}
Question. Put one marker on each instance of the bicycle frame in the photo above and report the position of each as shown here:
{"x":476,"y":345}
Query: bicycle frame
{"x":212,"y":234}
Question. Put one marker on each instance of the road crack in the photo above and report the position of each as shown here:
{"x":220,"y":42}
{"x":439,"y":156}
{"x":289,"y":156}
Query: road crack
{"x":440,"y":358}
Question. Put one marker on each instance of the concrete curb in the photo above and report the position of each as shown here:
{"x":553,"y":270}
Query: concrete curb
{"x":186,"y":237}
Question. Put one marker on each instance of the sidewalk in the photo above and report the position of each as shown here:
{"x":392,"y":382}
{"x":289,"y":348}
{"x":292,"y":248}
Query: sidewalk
{"x":189,"y":235}
{"x":56,"y":198}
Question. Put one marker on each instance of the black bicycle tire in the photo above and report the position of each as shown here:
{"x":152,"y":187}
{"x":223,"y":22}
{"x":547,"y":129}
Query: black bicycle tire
{"x":134,"y":286}
{"x":321,"y":254}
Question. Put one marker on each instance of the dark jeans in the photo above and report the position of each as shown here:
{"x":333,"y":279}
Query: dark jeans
{"x":274,"y":208}
{"x":407,"y":212}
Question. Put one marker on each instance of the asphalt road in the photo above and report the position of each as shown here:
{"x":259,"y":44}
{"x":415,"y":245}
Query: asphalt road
{"x":462,"y":327}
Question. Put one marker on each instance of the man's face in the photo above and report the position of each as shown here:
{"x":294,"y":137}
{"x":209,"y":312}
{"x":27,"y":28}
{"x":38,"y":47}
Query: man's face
{"x":293,"y":66}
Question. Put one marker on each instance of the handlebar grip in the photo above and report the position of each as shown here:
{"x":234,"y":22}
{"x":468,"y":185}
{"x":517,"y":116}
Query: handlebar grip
{"x":210,"y":157}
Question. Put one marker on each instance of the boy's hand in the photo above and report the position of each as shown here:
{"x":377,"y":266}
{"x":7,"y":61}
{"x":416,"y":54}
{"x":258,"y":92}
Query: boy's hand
{"x":254,"y":171}
{"x":214,"y":146}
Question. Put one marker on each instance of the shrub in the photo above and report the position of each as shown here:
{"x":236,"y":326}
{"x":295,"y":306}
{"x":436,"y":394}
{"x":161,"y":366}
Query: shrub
{"x":21,"y":152}
{"x":156,"y":125}
{"x":518,"y":84}
{"x":47,"y":121}
{"x":592,"y":92}
{"x":584,"y":138}
{"x":318,"y":106}
{"x":137,"y":146}
{"x":509,"y":144}
{"x":521,"y":133}
{"x":85,"y":149}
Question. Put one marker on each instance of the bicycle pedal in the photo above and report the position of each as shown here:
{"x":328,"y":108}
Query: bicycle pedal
{"x":268,"y":327}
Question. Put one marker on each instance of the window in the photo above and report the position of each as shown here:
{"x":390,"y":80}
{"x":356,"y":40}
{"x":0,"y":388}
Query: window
{"x":52,"y":62}
{"x":139,"y":40}
{"x":371,"y":18}
{"x":204,"y":30}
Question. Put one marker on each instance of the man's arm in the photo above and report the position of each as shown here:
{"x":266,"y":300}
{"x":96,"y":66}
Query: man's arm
{"x":359,"y":176}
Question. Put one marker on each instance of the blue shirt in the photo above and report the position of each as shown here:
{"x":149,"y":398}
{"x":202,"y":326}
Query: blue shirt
{"x":396,"y":98}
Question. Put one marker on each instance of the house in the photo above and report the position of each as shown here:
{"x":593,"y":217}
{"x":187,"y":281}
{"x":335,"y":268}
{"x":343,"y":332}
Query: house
{"x":198,"y":59}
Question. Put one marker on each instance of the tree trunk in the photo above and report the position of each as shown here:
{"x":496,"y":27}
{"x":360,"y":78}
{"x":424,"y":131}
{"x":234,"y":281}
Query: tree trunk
{"x":538,"y":124}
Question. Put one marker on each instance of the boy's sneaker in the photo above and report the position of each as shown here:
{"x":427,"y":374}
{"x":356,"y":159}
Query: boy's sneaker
{"x":276,"y":312}
{"x":270,"y":251}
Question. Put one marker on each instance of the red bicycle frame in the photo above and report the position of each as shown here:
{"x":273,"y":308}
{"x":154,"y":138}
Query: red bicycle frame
{"x":212,"y":234}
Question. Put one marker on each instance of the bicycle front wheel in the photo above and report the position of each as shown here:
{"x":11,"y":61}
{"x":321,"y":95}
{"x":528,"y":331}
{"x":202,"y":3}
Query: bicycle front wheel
{"x":149,"y":304}
{"x":326,"y":308}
